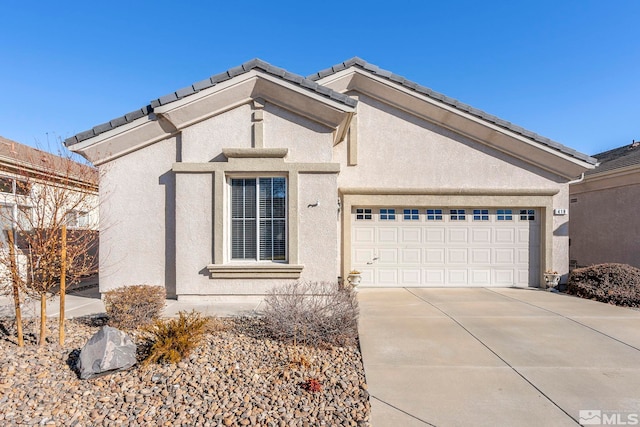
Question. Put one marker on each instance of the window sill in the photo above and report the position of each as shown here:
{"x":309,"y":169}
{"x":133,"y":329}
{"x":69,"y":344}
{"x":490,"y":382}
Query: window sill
{"x":257,"y":271}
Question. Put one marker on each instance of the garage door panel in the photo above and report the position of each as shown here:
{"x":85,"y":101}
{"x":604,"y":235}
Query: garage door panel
{"x":480,"y":235}
{"x":434,"y":256}
{"x":388,"y":256}
{"x":504,"y":277}
{"x":410,"y":256}
{"x":457,"y":277}
{"x":364,"y":235}
{"x":388,"y":276}
{"x":457,"y":255}
{"x":457,"y":235}
{"x":411,"y":235}
{"x":363,"y":255}
{"x":429,"y":251}
{"x":504,"y":255}
{"x":505,"y":236}
{"x":480,"y":277}
{"x":411,"y":276}
{"x":434,"y":277}
{"x":387,"y":235}
{"x":480,"y":255}
{"x":434,"y":234}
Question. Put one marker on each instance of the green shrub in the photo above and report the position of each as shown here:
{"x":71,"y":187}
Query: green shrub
{"x":172,"y":340}
{"x":617,"y":284}
{"x":312,"y":314}
{"x":130,"y":307}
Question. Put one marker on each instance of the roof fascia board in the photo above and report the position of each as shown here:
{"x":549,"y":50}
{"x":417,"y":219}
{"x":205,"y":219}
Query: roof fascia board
{"x":117,"y":142}
{"x":167,"y":120}
{"x":355,"y":79}
{"x":613,"y":178}
{"x":245,"y":87}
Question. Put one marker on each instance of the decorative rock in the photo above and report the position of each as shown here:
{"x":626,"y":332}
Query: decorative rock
{"x":199,"y":392}
{"x":109,"y":350}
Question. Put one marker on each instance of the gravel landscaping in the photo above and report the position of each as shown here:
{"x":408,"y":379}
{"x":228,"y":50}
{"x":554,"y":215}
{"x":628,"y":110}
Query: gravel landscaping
{"x":236,"y":377}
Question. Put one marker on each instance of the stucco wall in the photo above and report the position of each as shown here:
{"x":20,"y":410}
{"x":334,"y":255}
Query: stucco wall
{"x":137,"y":193}
{"x":157,"y":225}
{"x":604,"y":225}
{"x":396,"y":150}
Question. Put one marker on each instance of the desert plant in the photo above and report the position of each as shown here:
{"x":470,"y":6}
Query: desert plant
{"x":617,"y":284}
{"x":312,"y":313}
{"x":172,"y":340}
{"x":130,"y":307}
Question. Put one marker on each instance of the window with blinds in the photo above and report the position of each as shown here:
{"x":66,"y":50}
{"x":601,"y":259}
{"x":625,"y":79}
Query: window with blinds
{"x":259,"y":218}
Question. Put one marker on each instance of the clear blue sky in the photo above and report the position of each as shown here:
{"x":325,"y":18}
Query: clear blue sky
{"x":568,"y":70}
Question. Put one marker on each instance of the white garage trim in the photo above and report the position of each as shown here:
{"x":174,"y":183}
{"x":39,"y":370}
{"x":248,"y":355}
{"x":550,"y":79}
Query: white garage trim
{"x":541,"y":200}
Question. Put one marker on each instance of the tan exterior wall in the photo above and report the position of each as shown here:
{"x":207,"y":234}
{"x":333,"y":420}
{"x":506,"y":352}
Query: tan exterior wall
{"x":136,"y":193}
{"x":163,"y":227}
{"x":423,"y":164}
{"x":604,"y":224}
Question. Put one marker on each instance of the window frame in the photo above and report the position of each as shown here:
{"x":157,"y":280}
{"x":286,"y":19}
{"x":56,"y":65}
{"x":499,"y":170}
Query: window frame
{"x":480,"y":215}
{"x":258,"y":219}
{"x":364,"y":214}
{"x":504,"y":214}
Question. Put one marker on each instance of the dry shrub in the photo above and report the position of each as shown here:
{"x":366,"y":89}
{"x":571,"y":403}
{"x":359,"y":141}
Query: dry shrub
{"x":312,"y":313}
{"x":172,"y":340}
{"x":130,"y":307}
{"x":617,"y":284}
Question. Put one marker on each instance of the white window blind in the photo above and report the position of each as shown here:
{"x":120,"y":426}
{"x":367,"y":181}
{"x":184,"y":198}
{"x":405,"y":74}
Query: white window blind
{"x":259,"y":218}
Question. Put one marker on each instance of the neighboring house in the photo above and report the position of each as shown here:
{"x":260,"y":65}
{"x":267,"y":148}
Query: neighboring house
{"x":24,"y":173}
{"x":257,"y":176}
{"x":605,"y":225}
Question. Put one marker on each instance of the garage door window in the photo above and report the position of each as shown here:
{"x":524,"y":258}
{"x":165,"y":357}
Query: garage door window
{"x":527,"y":215}
{"x":363,"y":214}
{"x":434,"y":214}
{"x":481,"y":214}
{"x":505,"y":215}
{"x":411,"y":215}
{"x":457,"y":215}
{"x":387,"y":214}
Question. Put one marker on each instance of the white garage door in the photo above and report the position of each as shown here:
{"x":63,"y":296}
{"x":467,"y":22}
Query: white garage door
{"x":446,"y":246}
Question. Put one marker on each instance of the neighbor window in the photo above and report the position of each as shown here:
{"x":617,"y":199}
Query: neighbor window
{"x":14,"y":186}
{"x":75,"y":219}
{"x":434,"y":214}
{"x":504,"y":215}
{"x":527,"y":215}
{"x":388,"y":214}
{"x":363,"y":213}
{"x":481,"y":214}
{"x":457,"y":215}
{"x":259,"y":219}
{"x":411,"y":215}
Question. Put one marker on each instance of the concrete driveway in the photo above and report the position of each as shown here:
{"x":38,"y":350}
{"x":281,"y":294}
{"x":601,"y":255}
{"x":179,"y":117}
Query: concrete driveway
{"x":498,"y":357}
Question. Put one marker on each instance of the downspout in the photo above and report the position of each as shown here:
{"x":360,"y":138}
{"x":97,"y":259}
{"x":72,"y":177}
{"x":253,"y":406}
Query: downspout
{"x":575,"y":181}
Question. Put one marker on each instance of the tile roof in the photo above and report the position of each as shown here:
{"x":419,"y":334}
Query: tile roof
{"x":14,"y":157}
{"x":627,"y":155}
{"x":361,"y":63}
{"x":207,"y":83}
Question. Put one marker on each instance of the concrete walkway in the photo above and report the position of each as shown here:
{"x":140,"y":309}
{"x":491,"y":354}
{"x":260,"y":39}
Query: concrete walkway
{"x":498,"y":357}
{"x":87,"y":302}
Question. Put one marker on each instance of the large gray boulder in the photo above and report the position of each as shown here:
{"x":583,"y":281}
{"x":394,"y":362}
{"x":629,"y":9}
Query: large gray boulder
{"x":109,"y":350}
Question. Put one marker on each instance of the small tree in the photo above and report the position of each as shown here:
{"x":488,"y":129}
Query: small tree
{"x":41,"y":193}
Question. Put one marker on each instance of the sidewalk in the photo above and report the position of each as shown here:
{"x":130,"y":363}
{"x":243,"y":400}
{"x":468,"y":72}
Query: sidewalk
{"x":87,"y":302}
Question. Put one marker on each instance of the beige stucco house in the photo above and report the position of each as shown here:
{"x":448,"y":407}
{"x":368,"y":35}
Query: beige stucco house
{"x":604,"y":210}
{"x":257,"y":176}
